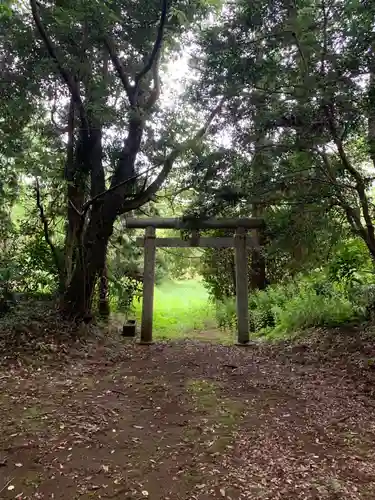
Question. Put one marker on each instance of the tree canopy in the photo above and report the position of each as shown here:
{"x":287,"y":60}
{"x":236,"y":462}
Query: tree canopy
{"x":298,"y":82}
{"x":275,"y":119}
{"x":82,"y":82}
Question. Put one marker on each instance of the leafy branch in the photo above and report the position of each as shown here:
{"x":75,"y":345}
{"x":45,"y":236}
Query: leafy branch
{"x":146,"y":194}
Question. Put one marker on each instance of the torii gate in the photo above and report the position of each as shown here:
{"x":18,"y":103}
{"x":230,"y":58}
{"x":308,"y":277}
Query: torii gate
{"x":241,"y":243}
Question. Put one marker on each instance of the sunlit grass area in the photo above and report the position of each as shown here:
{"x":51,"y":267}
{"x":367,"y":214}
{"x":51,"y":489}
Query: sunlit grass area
{"x":181,"y":308}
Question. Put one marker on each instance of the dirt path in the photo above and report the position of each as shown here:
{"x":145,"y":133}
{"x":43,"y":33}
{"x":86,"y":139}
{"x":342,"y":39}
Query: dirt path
{"x":186,"y":421}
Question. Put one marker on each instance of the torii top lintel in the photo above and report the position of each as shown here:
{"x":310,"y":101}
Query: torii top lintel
{"x":194,"y":223}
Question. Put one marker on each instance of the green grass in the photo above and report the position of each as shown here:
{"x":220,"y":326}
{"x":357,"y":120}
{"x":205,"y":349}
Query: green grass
{"x":180,"y":309}
{"x":18,"y":212}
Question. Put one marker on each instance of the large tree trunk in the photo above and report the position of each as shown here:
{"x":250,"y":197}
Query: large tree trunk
{"x":79,"y":260}
{"x":89,"y":266}
{"x":75,"y":193}
{"x":91,"y":253}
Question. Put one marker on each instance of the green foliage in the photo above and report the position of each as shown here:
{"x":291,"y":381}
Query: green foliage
{"x":350,"y":261}
{"x":5,"y":9}
{"x":218,"y":269}
{"x":336,"y":289}
{"x":308,"y":309}
{"x":178,"y":263}
{"x":124,"y":261}
{"x":286,"y":309}
{"x":300,"y":239}
{"x":26,"y":262}
{"x":225,"y":309}
{"x":218,"y":272}
{"x":123,"y":291}
{"x":26,"y":266}
{"x":300,"y":117}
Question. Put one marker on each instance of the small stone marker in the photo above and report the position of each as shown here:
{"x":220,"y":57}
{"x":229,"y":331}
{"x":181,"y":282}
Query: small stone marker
{"x":129,"y":328}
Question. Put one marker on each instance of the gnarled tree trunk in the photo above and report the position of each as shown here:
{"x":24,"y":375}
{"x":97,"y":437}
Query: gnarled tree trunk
{"x":91,"y":253}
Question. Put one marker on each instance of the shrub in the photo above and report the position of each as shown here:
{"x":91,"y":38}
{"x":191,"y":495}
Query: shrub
{"x":287,"y":308}
{"x":226,"y":314}
{"x":264,"y":304}
{"x":311,"y":310}
{"x":349,"y":261}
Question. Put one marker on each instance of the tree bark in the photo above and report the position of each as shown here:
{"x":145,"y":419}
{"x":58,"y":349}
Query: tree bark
{"x":92,"y":251}
{"x":75,"y":196}
{"x":90,"y":263}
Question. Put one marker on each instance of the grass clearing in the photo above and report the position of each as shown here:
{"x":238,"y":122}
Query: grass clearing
{"x":181,"y":308}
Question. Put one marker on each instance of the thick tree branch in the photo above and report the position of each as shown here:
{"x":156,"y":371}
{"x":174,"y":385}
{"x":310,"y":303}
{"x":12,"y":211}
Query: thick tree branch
{"x":360,"y":184}
{"x":45,"y":227}
{"x":152,"y":60}
{"x":57,"y":127}
{"x":301,"y":53}
{"x":148,"y":193}
{"x":177,"y":193}
{"x":70,"y":145}
{"x":353,"y":217}
{"x":110,"y":46}
{"x":87,"y":205}
{"x":101,"y":195}
{"x":155,"y":92}
{"x":67,"y":77}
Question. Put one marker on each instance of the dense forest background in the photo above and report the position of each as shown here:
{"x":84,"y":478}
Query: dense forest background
{"x":203,"y":108}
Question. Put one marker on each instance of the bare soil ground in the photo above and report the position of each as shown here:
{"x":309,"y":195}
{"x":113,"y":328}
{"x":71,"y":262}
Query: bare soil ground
{"x":190,"y":420}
